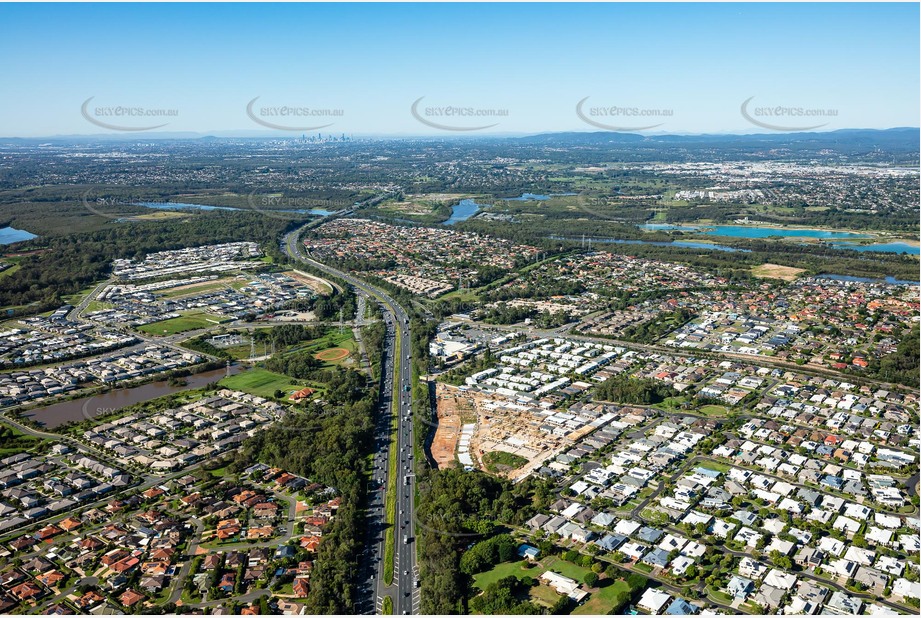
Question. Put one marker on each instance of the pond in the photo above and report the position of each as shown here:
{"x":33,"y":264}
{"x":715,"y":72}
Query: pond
{"x":83,"y":408}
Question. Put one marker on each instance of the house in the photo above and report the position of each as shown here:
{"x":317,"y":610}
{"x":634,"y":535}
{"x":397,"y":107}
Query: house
{"x":528,"y":552}
{"x":769,"y":597}
{"x":780,"y":579}
{"x":777,"y":544}
{"x":680,"y":565}
{"x":843,"y":603}
{"x":752,"y":568}
{"x":130,"y":597}
{"x":740,"y":587}
{"x":653,"y":601}
{"x":564,"y":585}
{"x":871,"y":578}
{"x":649,"y":535}
{"x":537,"y":522}
{"x":657,"y":558}
{"x":809,"y":557}
{"x":610,"y":542}
{"x":680,"y":607}
{"x":800,"y":607}
{"x":301,"y":587}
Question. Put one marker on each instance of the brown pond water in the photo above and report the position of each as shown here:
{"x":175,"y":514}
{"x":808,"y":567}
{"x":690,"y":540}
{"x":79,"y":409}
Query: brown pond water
{"x":87,"y":407}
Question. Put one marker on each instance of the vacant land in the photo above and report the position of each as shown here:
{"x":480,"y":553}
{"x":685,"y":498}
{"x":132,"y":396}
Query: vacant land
{"x":191,"y":321}
{"x":775,"y":271}
{"x":504,"y":569}
{"x":200,"y":288}
{"x":501,"y":461}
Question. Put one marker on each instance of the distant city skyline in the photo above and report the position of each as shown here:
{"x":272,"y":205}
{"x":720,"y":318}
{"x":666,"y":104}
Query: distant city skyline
{"x":457,"y":69}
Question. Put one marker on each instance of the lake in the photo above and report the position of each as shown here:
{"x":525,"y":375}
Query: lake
{"x":886,"y":247}
{"x":86,"y":407}
{"x":9,"y":235}
{"x":751,"y":231}
{"x":462,"y":211}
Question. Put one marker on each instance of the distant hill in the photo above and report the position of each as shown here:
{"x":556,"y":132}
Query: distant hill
{"x":902,"y":139}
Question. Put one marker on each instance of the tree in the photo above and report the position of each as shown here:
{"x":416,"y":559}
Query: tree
{"x":590,"y":579}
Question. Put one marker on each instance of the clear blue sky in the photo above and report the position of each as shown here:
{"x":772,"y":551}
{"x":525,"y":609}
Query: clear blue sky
{"x":537,"y":61}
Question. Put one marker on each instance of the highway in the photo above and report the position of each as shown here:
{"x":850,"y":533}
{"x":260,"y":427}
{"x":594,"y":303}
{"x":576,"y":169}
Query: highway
{"x":396,"y":398}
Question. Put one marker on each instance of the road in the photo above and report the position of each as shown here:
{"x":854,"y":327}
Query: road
{"x":396,"y":398}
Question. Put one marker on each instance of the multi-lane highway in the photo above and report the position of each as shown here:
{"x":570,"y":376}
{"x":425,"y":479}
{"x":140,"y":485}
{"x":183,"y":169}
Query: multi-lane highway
{"x":395,"y":400}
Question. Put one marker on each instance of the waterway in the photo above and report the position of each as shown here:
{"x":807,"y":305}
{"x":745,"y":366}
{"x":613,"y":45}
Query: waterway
{"x":889,"y":280}
{"x":87,"y":407}
{"x":536,"y":197}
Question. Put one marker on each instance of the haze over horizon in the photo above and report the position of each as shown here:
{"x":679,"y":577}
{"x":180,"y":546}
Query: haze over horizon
{"x":828,"y":67}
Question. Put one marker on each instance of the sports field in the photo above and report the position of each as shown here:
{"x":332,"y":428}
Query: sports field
{"x":261,"y":382}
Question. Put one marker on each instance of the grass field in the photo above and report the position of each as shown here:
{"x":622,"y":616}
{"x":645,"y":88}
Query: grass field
{"x":713,"y":410}
{"x":261,"y":382}
{"x":504,"y":569}
{"x":501,"y":461}
{"x":717,"y":466}
{"x":191,"y":321}
{"x":563,"y":567}
{"x":602,"y":601}
{"x":542,"y":594}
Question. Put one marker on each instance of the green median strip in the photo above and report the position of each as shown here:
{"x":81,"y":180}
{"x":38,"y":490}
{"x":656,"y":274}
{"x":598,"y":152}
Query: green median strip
{"x":393,"y":484}
{"x":387,"y":606}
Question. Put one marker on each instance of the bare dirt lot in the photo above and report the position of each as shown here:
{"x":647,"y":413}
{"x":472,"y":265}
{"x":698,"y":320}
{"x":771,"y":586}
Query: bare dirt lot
{"x":452,"y":405}
{"x":775,"y":271}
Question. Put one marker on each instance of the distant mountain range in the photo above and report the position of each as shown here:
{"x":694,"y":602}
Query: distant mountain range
{"x":901,"y":139}
{"x":902,"y":136}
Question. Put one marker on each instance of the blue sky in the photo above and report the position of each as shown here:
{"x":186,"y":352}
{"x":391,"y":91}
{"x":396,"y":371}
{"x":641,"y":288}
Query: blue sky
{"x":692,"y":65}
